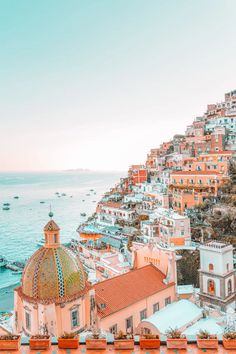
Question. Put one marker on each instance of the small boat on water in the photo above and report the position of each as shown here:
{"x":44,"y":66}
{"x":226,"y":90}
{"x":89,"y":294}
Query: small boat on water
{"x":57,"y":193}
{"x":42,"y":202}
{"x":94,"y":201}
{"x":91,"y":190}
{"x":6,"y":204}
{"x":83,"y":200}
{"x":6,"y":208}
{"x":3,"y":261}
{"x":63,"y":194}
{"x":41,"y":242}
{"x":83,"y":214}
{"x":17,"y":272}
{"x":16,"y":197}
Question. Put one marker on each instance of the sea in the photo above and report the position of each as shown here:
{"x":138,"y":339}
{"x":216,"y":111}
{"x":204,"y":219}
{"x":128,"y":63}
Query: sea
{"x":67,"y":194}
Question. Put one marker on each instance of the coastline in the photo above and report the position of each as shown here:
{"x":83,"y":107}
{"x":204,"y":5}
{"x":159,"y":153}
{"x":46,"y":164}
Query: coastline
{"x":7,"y":297}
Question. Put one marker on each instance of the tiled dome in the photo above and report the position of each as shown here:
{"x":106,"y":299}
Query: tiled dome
{"x":53,"y":275}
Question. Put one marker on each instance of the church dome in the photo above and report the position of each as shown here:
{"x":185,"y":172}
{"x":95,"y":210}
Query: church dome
{"x":53,"y":274}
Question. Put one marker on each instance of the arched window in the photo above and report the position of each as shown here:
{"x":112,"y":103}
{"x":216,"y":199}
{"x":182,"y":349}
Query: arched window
{"x":211,"y":267}
{"x":211,"y":287}
{"x":229,"y":286}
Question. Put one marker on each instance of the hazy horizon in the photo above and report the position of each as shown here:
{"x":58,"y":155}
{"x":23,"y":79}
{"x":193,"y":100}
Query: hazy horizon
{"x":96,"y":84}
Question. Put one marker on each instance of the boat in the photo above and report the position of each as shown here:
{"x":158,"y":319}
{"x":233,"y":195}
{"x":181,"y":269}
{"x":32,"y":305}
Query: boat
{"x":94,"y":201}
{"x":41,"y":242}
{"x":17,"y":272}
{"x":83,"y":214}
{"x":91,"y":190}
{"x":6,"y":208}
{"x":63,"y":194}
{"x":83,"y":200}
{"x":57,"y":193}
{"x":6,"y":204}
{"x":3,"y":261}
{"x":42,"y":201}
{"x":16,"y":197}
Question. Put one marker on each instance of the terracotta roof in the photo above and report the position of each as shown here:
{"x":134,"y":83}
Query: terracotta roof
{"x":112,"y":205}
{"x":124,"y":290}
{"x":195,"y":173}
{"x":51,"y":226}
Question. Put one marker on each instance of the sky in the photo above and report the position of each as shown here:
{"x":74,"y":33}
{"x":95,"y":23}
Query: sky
{"x":97,"y":83}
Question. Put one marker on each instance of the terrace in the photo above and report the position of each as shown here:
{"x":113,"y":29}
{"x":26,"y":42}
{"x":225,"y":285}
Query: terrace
{"x":191,"y":348}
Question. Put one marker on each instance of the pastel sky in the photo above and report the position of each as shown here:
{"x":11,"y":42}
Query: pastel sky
{"x":98,"y":83}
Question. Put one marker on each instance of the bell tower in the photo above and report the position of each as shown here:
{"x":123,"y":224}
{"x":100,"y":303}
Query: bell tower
{"x":217,"y":287}
{"x":51,"y":233}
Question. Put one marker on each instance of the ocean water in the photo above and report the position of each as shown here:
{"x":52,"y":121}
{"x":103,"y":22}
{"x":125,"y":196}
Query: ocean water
{"x":22,"y":226}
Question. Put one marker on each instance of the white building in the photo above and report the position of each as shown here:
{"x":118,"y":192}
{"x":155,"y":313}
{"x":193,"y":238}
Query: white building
{"x":217,"y":280}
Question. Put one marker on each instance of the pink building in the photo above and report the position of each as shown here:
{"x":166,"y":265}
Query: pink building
{"x":54,"y":295}
{"x":124,"y":301}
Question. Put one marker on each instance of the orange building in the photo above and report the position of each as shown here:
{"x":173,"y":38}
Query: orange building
{"x":137,"y":174}
{"x":191,"y":188}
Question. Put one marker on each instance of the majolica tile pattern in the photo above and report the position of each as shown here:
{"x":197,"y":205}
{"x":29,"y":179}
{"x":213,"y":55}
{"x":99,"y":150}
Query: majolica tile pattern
{"x":53,"y":275}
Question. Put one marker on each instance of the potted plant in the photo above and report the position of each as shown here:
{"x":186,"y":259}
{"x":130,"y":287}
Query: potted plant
{"x":123,"y":341}
{"x":9,"y":342}
{"x":175,"y":339}
{"x":40,"y":341}
{"x":95,"y":341}
{"x":205,"y":340}
{"x":229,"y":340}
{"x":149,"y":341}
{"x":68,"y":341}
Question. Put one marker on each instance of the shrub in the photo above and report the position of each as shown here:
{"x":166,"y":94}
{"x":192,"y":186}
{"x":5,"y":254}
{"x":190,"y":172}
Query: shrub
{"x":174,"y":333}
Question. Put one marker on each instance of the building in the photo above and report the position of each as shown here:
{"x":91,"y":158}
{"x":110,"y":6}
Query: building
{"x":191,"y":188}
{"x":217,"y":280}
{"x":174,"y":229}
{"x":124,"y":301}
{"x":54,"y":295}
{"x":137,"y":174}
{"x":110,"y":212}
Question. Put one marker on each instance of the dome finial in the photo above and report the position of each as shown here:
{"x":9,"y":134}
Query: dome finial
{"x":50,"y":213}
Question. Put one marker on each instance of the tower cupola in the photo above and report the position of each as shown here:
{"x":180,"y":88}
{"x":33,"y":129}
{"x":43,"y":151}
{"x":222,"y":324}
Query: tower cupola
{"x":51,"y":233}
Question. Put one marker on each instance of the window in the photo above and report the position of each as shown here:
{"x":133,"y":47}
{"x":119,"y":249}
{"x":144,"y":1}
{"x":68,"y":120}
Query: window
{"x":155,"y":307}
{"x":113,"y":329}
{"x":55,"y":238}
{"x":27,"y":320}
{"x":74,"y":318}
{"x":211,"y":287}
{"x":229,"y":286}
{"x":143,"y":314}
{"x":129,"y":323}
{"x":211,"y":267}
{"x":167,"y":301}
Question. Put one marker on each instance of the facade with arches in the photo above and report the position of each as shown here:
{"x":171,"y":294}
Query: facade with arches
{"x":217,"y":285}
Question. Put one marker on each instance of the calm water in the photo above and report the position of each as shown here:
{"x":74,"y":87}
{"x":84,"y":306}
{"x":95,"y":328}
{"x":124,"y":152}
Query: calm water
{"x":22,"y":225}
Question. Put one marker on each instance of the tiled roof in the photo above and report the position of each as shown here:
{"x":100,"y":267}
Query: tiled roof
{"x":124,"y":290}
{"x":51,"y":226}
{"x":112,"y":205}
